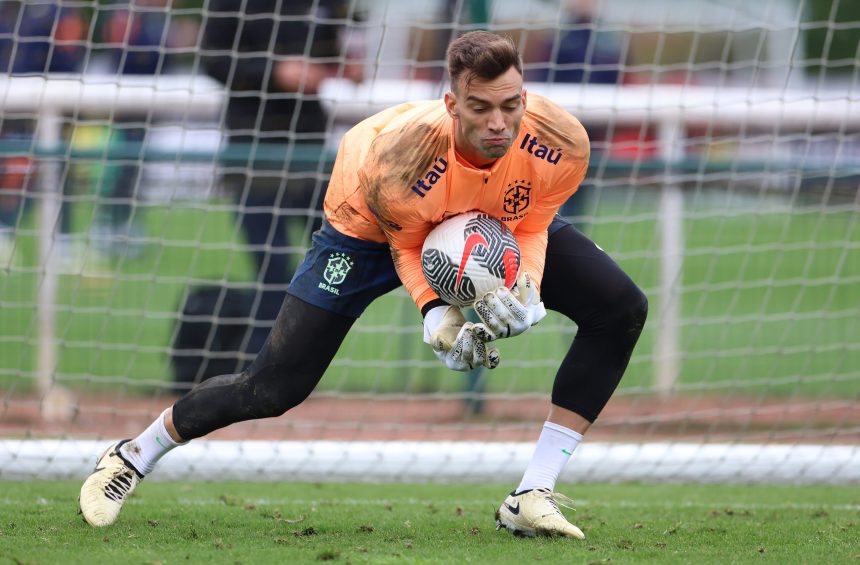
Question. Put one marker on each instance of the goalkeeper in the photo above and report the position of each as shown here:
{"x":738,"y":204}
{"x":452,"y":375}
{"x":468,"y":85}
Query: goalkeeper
{"x":487,"y":146}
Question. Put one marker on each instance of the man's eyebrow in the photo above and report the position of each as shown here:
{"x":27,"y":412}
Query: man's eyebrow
{"x":473,"y":98}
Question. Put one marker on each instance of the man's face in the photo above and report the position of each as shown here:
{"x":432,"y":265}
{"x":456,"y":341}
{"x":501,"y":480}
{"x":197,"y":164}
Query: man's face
{"x":487,"y":116}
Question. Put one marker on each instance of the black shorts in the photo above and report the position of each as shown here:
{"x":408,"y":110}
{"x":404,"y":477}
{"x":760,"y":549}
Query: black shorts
{"x":343,"y":274}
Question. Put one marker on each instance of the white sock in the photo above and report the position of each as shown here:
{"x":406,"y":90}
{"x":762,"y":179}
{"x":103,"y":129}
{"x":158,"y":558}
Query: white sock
{"x":145,"y":450}
{"x":554,"y":447}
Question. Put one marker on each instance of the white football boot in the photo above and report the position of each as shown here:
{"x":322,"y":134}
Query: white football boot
{"x":535,"y":513}
{"x":108,"y":487}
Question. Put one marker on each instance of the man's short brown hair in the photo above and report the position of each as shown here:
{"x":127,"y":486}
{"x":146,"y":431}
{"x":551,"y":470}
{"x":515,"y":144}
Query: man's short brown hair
{"x":483,"y":55}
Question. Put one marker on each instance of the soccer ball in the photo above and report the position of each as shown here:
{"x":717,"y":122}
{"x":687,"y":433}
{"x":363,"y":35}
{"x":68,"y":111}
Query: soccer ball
{"x":468,"y":255}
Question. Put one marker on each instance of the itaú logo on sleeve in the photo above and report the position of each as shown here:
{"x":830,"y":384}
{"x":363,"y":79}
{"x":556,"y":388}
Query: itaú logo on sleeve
{"x":423,"y":185}
{"x":534,"y":147}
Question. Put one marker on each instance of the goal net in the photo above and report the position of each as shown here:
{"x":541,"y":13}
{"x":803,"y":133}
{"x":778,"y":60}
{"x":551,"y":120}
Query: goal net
{"x":162,"y":165}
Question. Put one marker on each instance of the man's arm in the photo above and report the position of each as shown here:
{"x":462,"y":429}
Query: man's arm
{"x":255,"y":70}
{"x":405,"y":229}
{"x":398,"y":154}
{"x":459,"y":344}
{"x":335,"y":50}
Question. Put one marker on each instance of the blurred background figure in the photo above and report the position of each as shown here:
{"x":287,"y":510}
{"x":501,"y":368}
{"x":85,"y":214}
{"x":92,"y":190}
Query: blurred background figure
{"x":134,"y":38}
{"x":579,"y":53}
{"x":41,"y":37}
{"x":35,"y":39}
{"x":272,"y":56}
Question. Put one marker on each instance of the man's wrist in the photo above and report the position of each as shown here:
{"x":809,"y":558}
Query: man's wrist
{"x":433,"y":320}
{"x":436,"y":302}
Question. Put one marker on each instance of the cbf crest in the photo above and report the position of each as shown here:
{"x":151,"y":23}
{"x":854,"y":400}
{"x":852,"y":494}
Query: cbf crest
{"x":337,"y":268}
{"x":517,"y":197}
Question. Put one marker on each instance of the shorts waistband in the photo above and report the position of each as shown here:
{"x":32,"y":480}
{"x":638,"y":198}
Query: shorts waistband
{"x":331,"y":234}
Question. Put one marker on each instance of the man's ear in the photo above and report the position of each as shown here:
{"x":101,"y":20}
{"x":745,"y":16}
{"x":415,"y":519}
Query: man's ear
{"x":525,"y":99}
{"x":451,"y":104}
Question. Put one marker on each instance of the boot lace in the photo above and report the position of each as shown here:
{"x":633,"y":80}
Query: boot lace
{"x":119,"y":486}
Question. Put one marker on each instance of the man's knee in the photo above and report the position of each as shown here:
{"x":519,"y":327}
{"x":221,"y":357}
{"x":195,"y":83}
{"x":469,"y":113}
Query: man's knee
{"x":275,"y":390}
{"x":266,"y":392}
{"x":631,"y":309}
{"x":600,"y":353}
{"x":621,"y":311}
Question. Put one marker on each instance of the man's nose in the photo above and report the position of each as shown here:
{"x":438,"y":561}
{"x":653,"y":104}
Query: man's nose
{"x":496,"y":121}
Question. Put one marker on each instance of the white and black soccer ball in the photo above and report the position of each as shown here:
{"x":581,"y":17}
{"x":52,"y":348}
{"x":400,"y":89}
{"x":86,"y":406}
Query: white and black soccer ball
{"x":468,"y":255}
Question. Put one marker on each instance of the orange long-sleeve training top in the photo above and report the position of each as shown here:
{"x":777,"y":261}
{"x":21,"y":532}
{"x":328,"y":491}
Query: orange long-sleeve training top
{"x":397,"y":175}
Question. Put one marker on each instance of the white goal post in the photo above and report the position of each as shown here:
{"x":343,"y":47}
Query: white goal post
{"x":48,"y":98}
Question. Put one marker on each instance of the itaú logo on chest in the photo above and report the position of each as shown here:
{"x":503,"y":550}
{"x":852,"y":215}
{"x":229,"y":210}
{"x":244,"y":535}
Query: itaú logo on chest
{"x":534,"y":147}
{"x":431,"y":177}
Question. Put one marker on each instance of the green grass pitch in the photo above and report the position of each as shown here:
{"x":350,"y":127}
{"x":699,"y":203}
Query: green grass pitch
{"x":180,"y":522}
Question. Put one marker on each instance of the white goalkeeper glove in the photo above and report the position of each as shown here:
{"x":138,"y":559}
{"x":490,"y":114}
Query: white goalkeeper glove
{"x":506,"y":313}
{"x":457,"y":343}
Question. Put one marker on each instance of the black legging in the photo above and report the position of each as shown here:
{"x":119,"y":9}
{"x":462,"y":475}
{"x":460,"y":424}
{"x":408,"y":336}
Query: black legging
{"x":580,"y":281}
{"x":294,"y":358}
{"x":586,"y":285}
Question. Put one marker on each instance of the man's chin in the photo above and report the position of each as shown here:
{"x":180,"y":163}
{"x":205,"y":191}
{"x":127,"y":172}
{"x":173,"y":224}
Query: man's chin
{"x":496,"y":151}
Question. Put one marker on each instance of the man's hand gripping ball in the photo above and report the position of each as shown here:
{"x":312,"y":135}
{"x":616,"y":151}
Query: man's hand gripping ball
{"x":457,"y":343}
{"x":506,"y":313}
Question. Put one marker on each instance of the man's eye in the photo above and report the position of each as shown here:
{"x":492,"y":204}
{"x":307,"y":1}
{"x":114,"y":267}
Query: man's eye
{"x":478,"y":110}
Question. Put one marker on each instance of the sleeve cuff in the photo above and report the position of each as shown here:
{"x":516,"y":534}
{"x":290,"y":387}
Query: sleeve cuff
{"x":432,"y":304}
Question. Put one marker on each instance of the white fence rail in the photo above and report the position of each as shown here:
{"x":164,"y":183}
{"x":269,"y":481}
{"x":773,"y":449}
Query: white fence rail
{"x":450,"y":462}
